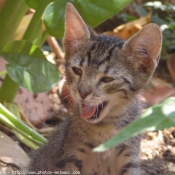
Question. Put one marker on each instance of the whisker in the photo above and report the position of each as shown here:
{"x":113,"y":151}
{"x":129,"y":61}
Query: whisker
{"x":134,"y":101}
{"x":101,"y":103}
{"x":66,"y":96}
{"x":96,"y":114}
{"x":69,"y":101}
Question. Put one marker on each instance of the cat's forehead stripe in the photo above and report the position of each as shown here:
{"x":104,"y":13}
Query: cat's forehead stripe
{"x":108,"y":57}
{"x":82,"y":59}
{"x":96,"y":51}
{"x":90,"y":50}
{"x":102,"y":48}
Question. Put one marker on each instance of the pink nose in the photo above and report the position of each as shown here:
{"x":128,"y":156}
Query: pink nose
{"x":83,"y":93}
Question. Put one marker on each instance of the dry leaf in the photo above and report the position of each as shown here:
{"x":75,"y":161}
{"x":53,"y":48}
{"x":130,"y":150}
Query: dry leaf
{"x":171,"y":167}
{"x":125,"y":31}
{"x":159,"y":89}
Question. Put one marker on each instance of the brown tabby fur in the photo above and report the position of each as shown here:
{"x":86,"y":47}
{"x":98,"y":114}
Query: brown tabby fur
{"x":105,"y":71}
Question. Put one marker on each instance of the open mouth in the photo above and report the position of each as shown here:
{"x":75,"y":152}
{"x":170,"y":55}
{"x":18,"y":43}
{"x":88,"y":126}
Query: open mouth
{"x":92,"y":112}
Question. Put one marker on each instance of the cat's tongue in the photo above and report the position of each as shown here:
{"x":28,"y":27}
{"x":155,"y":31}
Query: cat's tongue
{"x":88,"y":111}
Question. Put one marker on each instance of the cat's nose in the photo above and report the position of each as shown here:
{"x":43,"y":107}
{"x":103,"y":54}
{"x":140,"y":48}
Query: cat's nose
{"x":83,"y":93}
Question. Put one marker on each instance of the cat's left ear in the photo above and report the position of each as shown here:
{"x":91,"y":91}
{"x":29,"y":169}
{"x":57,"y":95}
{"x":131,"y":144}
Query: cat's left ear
{"x":145,"y":46}
{"x":76,"y":31}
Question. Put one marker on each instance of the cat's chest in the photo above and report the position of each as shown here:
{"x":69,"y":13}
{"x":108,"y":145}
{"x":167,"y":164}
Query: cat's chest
{"x":103,"y":163}
{"x":100,"y":134}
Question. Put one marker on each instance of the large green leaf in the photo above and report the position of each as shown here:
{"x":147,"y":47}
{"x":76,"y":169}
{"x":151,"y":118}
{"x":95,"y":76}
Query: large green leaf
{"x":28,"y":66}
{"x":93,"y":12}
{"x":160,"y":116}
{"x":17,"y":125}
{"x":10,"y":17}
{"x":96,"y":11}
{"x":14,"y":109}
{"x":54,"y":18}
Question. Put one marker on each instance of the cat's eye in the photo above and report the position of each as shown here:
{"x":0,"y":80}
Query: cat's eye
{"x":107,"y":79}
{"x":77,"y":71}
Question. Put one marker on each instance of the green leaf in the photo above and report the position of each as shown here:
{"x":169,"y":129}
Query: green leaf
{"x":157,"y":117}
{"x":14,"y":123}
{"x":14,"y":108}
{"x":10,"y":17}
{"x":54,"y":18}
{"x":28,"y":66}
{"x":93,"y":12}
{"x":33,"y":3}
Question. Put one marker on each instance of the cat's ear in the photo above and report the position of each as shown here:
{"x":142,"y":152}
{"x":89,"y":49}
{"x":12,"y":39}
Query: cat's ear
{"x":76,"y":31}
{"x":145,"y":47}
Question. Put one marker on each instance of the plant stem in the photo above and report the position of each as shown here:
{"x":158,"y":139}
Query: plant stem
{"x":13,"y":122}
{"x":10,"y":16}
{"x":33,"y":26}
{"x":14,"y":109}
{"x":8,"y":90}
{"x":3,"y":73}
{"x":55,"y":47}
{"x":43,"y":38}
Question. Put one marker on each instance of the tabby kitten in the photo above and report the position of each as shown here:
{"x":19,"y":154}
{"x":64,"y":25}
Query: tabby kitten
{"x":104,"y":76}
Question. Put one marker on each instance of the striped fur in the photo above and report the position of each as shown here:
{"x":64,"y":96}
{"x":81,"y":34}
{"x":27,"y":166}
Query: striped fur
{"x":109,"y":73}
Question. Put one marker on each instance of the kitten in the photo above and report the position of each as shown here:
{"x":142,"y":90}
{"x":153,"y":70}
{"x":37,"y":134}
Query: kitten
{"x":104,"y":76}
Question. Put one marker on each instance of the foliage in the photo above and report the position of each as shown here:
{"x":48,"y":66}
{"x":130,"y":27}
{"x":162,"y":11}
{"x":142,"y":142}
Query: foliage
{"x":164,"y":16}
{"x":54,"y":22}
{"x":93,"y":12}
{"x":27,"y":66}
{"x":31,"y":137}
{"x":10,"y":16}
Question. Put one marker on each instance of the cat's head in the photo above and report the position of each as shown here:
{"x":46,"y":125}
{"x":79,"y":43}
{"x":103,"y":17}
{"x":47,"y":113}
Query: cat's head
{"x":104,"y":74}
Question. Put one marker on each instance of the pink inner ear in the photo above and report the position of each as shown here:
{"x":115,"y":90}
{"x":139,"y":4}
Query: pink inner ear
{"x":147,"y":42}
{"x":76,"y":30}
{"x":146,"y":61}
{"x":145,"y":47}
{"x":152,"y":45}
{"x":149,"y":39}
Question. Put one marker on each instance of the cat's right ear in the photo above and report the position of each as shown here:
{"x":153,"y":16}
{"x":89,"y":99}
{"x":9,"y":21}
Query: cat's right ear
{"x":76,"y":31}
